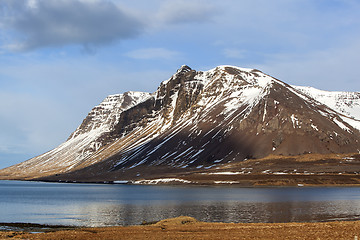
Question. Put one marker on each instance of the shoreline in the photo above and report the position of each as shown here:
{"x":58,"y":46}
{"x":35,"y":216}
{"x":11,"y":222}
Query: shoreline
{"x":147,"y":182}
{"x":32,"y":227}
{"x":189,"y":228}
{"x":273,"y":170}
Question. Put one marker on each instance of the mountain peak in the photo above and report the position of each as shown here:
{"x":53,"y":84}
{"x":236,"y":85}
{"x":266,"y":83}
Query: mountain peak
{"x":183,"y":69}
{"x":235,"y":67}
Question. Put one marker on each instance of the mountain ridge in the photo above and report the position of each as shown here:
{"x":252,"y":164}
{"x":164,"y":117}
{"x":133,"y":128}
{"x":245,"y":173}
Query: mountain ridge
{"x":197,"y":120}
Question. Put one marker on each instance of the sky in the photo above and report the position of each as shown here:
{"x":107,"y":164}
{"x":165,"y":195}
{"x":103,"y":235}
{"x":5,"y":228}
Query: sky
{"x":60,"y":58}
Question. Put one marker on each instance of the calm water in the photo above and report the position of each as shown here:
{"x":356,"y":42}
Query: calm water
{"x":107,"y":205}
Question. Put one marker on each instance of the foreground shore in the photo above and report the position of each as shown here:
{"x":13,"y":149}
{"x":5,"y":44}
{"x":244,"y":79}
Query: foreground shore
{"x":189,"y":228}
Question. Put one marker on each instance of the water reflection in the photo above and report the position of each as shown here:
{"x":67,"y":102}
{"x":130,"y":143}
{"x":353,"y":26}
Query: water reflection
{"x":128,"y":214}
{"x":108,"y":205}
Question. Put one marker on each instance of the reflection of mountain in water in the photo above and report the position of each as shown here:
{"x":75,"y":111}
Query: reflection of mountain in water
{"x":108,"y":205}
{"x":238,"y":212}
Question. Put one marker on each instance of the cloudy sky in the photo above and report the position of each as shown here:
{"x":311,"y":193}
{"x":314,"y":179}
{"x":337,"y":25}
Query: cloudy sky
{"x":59,"y":58}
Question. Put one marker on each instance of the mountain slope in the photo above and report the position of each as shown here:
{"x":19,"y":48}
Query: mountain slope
{"x":88,"y":138}
{"x":346,"y":103}
{"x":196,"y":120}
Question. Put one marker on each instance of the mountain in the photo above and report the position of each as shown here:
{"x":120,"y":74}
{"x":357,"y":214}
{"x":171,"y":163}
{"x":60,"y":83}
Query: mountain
{"x":197,"y":121}
{"x":346,"y":103}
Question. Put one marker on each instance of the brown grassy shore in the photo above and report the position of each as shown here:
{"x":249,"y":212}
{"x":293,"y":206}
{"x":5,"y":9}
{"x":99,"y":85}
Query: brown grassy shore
{"x":190,"y":228}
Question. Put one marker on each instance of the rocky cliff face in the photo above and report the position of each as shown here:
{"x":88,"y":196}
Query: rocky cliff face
{"x":199,"y":120}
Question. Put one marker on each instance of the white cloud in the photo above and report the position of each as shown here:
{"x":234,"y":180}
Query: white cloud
{"x":32,"y":3}
{"x":153,"y":53}
{"x":56,"y":23}
{"x":33,"y":24}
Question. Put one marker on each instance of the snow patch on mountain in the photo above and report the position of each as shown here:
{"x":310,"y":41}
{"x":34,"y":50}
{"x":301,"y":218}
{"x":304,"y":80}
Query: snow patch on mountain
{"x":347,"y":103}
{"x":107,"y":113}
{"x":161,"y":180}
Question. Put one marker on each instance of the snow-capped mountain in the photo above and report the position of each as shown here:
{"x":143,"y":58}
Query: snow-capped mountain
{"x":346,"y":103}
{"x":198,"y":120}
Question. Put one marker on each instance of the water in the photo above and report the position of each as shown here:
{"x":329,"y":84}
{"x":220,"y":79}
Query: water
{"x":109,"y":205}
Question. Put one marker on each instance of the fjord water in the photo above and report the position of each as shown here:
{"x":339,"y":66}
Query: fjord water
{"x":109,"y":205}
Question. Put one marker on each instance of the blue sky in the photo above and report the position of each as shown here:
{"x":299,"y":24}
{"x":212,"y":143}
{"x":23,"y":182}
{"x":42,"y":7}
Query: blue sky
{"x":59,"y":58}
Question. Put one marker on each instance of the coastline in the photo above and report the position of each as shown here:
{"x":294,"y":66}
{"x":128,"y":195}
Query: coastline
{"x":311,"y":170}
{"x":189,"y":228}
{"x":250,"y":181}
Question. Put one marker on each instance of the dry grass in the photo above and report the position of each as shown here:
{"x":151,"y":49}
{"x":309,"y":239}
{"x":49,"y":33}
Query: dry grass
{"x":189,"y":228}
